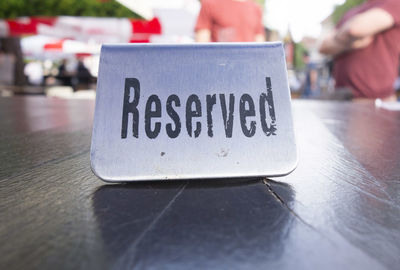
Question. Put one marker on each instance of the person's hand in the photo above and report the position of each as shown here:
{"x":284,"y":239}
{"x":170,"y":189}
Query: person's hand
{"x":203,"y":35}
{"x":362,"y":42}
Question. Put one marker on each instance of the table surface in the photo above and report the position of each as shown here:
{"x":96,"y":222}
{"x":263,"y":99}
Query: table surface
{"x":340,"y":209}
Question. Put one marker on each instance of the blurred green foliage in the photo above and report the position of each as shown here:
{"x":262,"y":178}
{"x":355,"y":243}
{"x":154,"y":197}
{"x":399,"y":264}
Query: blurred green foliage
{"x":340,"y":10}
{"x":94,"y":8}
{"x":299,"y":51}
{"x":261,"y":2}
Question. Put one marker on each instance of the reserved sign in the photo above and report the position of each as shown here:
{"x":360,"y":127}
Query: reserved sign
{"x":192,"y":111}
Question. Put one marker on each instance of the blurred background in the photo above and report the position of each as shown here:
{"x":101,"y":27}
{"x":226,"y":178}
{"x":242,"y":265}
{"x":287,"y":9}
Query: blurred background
{"x":52,"y":47}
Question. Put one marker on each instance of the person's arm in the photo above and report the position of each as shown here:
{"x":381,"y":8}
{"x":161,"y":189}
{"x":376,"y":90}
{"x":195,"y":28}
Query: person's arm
{"x":313,"y":79}
{"x":358,"y":32}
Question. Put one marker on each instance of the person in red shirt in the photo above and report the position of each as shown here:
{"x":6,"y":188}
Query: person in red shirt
{"x":366,"y":49}
{"x":229,"y":21}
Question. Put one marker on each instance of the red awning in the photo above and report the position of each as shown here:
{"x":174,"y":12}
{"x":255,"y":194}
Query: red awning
{"x":83,"y":28}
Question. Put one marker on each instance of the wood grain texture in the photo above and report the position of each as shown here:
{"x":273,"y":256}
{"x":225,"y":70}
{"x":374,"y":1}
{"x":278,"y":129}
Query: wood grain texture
{"x":340,"y":209}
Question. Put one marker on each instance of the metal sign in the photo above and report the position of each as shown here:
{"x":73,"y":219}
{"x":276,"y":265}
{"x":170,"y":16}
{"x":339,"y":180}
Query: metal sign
{"x":192,"y":111}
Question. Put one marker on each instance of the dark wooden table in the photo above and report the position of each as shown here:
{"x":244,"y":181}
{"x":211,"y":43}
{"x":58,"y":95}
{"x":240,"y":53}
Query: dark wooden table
{"x":340,"y":209}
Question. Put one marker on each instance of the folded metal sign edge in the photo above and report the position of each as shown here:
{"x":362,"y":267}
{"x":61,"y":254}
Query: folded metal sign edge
{"x":192,"y":112}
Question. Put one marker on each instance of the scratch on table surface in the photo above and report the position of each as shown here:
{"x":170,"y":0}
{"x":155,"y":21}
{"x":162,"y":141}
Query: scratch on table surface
{"x":131,"y":222}
{"x":281,"y":201}
{"x":128,"y":260}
